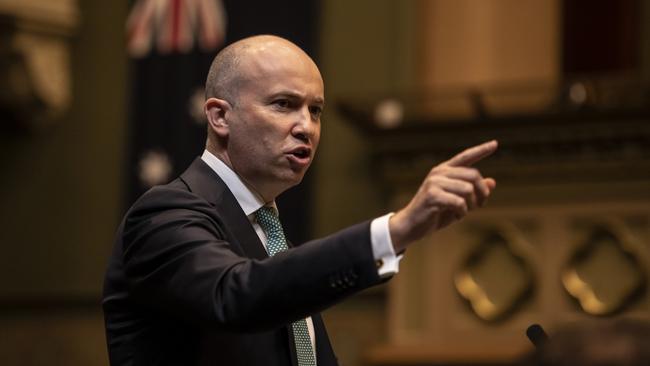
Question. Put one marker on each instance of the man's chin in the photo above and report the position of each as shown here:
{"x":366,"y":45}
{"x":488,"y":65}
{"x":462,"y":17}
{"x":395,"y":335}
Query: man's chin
{"x":296,"y":179}
{"x":293,"y":178}
{"x":284,"y":181}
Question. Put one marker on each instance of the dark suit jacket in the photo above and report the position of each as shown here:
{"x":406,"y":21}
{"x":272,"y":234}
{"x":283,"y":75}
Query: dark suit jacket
{"x":189,"y":282}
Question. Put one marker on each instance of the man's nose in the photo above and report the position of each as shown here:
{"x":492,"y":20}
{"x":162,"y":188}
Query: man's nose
{"x":304,"y":127}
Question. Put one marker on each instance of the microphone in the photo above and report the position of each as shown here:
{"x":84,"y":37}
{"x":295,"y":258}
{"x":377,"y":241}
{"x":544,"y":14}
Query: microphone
{"x":537,"y":335}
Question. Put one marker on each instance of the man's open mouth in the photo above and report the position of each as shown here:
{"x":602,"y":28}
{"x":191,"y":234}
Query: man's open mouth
{"x":301,"y":152}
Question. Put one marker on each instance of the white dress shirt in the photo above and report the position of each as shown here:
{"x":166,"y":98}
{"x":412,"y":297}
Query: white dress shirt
{"x":382,"y":246}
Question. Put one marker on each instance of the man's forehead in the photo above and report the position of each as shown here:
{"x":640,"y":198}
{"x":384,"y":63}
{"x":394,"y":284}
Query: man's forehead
{"x":273,"y":55}
{"x":278,"y":62}
{"x":267,"y":65}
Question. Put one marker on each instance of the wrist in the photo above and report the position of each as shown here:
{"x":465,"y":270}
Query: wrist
{"x":397,"y":231}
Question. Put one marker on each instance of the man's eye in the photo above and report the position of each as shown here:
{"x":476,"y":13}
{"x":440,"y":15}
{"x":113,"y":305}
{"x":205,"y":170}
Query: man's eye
{"x":316,"y":111}
{"x":282,"y":103}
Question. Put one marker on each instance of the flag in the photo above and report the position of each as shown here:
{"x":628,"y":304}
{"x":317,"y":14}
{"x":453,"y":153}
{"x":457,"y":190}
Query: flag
{"x":175,"y":26}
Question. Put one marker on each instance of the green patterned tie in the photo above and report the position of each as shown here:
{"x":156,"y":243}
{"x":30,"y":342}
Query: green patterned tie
{"x":270,"y":223}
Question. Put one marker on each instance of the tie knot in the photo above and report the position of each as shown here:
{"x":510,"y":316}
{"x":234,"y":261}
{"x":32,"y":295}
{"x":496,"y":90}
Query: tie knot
{"x":268,"y":219}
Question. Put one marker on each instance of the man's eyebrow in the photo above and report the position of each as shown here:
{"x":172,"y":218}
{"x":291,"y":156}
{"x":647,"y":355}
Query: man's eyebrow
{"x":295,"y":95}
{"x":286,"y":94}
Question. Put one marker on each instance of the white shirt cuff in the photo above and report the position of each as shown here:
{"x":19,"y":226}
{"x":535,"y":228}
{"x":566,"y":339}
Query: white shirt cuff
{"x":382,"y":247}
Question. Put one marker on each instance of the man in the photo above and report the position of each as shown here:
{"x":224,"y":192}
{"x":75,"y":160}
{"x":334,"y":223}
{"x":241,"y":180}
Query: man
{"x":201,"y":273}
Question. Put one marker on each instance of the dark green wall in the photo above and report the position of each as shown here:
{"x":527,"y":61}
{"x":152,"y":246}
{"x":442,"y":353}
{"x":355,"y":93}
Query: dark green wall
{"x":61,"y":186}
{"x":367,"y":49}
{"x":61,"y":194}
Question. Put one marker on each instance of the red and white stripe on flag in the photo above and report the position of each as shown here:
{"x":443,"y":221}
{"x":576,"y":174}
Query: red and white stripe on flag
{"x":175,"y":26}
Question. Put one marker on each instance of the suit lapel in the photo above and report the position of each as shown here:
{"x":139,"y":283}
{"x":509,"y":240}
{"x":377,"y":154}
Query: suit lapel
{"x":203,"y":181}
{"x":292,"y":345}
{"x":324,"y":352}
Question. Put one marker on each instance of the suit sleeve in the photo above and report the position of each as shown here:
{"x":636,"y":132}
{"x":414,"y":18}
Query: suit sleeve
{"x":178,"y":261}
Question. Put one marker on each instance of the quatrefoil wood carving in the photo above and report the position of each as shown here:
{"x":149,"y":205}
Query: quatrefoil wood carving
{"x":604,"y":275}
{"x":494,"y":279}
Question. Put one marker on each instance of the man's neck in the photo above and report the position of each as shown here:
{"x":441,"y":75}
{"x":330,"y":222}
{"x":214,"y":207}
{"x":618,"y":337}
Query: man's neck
{"x":268,"y":193}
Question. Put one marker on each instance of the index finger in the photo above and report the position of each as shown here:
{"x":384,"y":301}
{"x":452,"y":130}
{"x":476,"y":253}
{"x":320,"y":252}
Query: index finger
{"x":473,"y":154}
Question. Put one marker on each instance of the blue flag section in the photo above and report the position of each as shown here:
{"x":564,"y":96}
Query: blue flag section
{"x":172,"y":44}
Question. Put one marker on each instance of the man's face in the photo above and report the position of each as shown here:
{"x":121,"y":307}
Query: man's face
{"x":274,"y":124}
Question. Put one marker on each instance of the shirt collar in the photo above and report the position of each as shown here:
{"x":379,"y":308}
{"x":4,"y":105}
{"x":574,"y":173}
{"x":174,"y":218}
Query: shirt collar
{"x":247,"y":199}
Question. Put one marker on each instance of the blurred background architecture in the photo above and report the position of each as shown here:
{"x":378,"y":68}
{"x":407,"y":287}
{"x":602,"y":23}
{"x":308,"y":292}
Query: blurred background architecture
{"x":92,"y":114}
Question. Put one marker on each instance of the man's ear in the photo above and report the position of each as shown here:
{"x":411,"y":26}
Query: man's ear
{"x":215,"y":111}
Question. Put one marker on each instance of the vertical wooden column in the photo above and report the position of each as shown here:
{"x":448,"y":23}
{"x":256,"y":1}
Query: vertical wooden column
{"x":469,"y":43}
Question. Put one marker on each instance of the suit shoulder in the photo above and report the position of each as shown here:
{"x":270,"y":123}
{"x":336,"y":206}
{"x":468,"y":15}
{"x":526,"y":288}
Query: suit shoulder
{"x":172,"y":196}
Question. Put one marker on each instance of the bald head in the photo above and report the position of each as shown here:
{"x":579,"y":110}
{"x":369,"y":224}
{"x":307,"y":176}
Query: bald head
{"x":226,"y":75}
{"x":264,"y":101}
